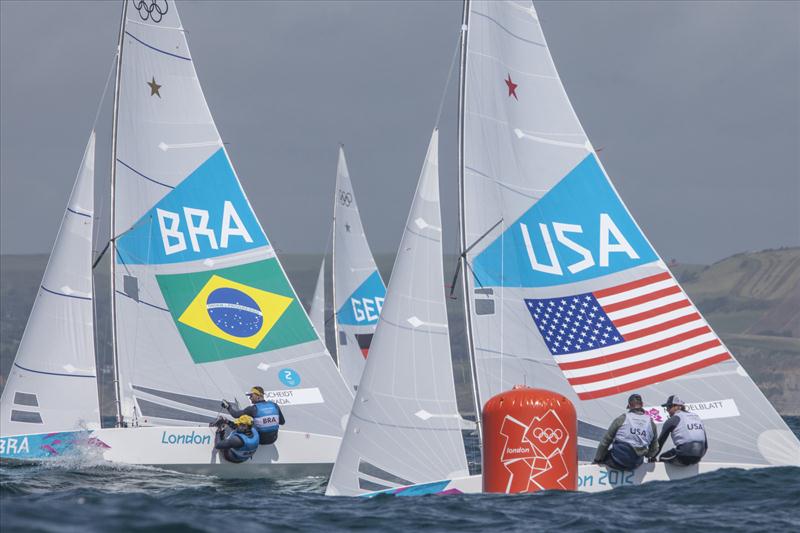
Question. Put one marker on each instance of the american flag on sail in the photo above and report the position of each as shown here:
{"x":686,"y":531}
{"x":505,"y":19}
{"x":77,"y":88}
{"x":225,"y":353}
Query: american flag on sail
{"x":627,"y":336}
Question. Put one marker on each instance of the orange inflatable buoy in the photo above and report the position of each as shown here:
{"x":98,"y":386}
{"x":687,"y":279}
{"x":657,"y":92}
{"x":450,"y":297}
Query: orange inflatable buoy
{"x":529,"y":442}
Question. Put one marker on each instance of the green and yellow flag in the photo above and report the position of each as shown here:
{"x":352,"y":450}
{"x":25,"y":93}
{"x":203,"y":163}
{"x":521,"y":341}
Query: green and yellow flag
{"x":236,"y":311}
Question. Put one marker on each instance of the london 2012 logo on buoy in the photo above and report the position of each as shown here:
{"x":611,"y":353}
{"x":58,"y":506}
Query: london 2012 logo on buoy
{"x":534,"y":452}
{"x":151,"y":9}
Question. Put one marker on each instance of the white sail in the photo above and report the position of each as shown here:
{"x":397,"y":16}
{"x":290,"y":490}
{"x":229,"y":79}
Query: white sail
{"x":404,"y":427}
{"x":563,"y":290}
{"x":317,"y":310}
{"x":358,"y":289}
{"x":52,"y":386}
{"x":204,"y":309}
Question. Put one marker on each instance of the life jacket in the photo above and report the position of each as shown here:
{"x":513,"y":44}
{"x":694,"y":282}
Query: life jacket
{"x":625,"y":457}
{"x":690,"y":428}
{"x":637,"y":430}
{"x":267,"y":419}
{"x":249,"y":448}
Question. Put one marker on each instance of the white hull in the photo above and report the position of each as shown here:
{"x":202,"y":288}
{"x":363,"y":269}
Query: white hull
{"x":186,"y":449}
{"x":591,"y":478}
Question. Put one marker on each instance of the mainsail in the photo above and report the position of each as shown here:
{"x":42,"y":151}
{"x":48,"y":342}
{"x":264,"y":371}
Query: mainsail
{"x":404,"y":427}
{"x":204,"y":309}
{"x":52,"y":385}
{"x":563,"y":290}
{"x":358,"y":289}
{"x":317,"y":310}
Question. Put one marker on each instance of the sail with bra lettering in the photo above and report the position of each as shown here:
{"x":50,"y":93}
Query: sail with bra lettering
{"x":52,"y":385}
{"x":563,"y":289}
{"x":358,"y":289}
{"x":405,"y":427}
{"x":204,"y":309}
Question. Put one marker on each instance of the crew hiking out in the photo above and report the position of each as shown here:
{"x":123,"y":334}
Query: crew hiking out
{"x":267,"y":416}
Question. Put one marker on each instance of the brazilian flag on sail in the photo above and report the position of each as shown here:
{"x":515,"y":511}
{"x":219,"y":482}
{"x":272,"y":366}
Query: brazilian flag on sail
{"x":236,"y":311}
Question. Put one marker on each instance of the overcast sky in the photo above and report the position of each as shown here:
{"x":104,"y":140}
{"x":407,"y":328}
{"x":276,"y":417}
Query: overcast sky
{"x":696,"y":106}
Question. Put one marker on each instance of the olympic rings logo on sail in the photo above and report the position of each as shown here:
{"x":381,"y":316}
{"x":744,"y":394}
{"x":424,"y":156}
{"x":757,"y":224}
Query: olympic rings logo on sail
{"x":154,"y":10}
{"x":345,"y":198}
{"x":548,"y":435}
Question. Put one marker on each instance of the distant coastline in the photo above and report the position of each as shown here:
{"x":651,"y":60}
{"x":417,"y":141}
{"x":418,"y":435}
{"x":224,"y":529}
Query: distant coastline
{"x":752,"y":299}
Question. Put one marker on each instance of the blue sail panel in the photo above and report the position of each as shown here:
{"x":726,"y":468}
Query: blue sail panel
{"x":206,"y":216}
{"x":579,"y":230}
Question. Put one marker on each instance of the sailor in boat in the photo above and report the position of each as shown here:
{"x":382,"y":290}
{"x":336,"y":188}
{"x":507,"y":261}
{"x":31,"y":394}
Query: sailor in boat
{"x":630,"y":438}
{"x":238,"y":440}
{"x":267,"y":416}
{"x":688,"y":434}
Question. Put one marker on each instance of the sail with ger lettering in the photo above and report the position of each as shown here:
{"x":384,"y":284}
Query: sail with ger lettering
{"x":358,"y":289}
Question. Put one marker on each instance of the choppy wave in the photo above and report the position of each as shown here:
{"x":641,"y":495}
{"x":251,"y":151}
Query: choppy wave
{"x":86,"y":496}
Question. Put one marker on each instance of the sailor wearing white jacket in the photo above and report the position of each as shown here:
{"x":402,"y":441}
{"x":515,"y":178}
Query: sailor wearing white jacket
{"x":688,"y":434}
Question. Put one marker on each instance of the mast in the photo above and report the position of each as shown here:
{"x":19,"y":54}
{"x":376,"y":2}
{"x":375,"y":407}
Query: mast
{"x":462,"y":86}
{"x":333,"y":263}
{"x":113,"y":236}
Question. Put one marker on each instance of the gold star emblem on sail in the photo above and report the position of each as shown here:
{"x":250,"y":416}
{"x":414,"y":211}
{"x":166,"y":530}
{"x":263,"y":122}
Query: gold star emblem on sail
{"x":154,"y":87}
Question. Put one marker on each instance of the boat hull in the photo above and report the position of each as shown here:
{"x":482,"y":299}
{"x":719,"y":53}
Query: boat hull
{"x":182,"y":449}
{"x":591,"y":478}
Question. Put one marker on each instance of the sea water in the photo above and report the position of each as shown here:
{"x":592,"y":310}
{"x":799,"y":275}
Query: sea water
{"x":81,"y":496}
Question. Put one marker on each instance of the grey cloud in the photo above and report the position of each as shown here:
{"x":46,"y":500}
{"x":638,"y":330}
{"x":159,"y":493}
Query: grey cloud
{"x":697,"y":107}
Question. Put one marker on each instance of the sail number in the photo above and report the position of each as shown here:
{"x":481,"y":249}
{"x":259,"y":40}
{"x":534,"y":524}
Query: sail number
{"x":196,"y":224}
{"x":366,"y":309}
{"x":610,"y":240}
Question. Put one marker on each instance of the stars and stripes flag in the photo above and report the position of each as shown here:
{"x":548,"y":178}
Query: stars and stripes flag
{"x":627,"y":336}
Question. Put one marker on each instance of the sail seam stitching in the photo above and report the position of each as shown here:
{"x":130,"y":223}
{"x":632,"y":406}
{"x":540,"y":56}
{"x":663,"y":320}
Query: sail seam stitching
{"x":54,"y":373}
{"x":505,"y":29}
{"x":87,"y":215}
{"x":143,"y":302}
{"x":65,"y":295}
{"x":126,"y":165}
{"x":156,"y":49}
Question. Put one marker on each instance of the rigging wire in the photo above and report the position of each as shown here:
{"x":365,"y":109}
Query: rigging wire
{"x":449,"y":77}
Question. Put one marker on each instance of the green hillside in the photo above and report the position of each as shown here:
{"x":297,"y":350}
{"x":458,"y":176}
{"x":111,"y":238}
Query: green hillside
{"x":752,"y":300}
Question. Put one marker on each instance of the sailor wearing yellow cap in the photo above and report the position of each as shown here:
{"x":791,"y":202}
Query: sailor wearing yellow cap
{"x":267,"y":416}
{"x":241,"y":443}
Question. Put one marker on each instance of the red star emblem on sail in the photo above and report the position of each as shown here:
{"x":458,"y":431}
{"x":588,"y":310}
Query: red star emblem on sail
{"x":512,"y":87}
